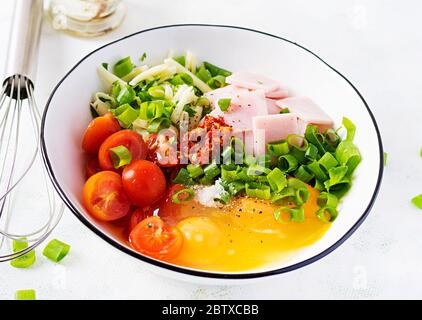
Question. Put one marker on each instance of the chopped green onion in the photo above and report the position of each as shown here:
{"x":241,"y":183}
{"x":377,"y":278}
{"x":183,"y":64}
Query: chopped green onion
{"x":126,"y":95}
{"x":143,"y":57}
{"x":203,"y":102}
{"x":296,"y":215}
{"x":328,"y":161}
{"x":195,"y":170}
{"x":256,"y":170}
{"x":229,"y":175}
{"x":249,"y":160}
{"x":287,"y":163}
{"x":216,"y":71}
{"x":235,"y":187}
{"x":123,"y":67}
{"x":286,"y":194}
{"x":212,"y":170}
{"x":285,"y":110}
{"x":126,"y":115}
{"x":264,"y":160}
{"x":204,"y":74}
{"x":205,"y":181}
{"x":217,"y":82}
{"x":183,"y":177}
{"x":278,"y":148}
{"x":258,"y":191}
{"x":313,"y":136}
{"x":223,"y":197}
{"x":157,"y":124}
{"x":295,"y":183}
{"x":157,"y":92}
{"x":317,"y":171}
{"x":120,"y":156}
{"x":337,"y":176}
{"x":385,"y":157}
{"x":303,"y":174}
{"x":56,"y":250}
{"x":224,"y":104}
{"x":327,"y":214}
{"x":318,"y":185}
{"x":312,"y":152}
{"x":417,"y":201}
{"x":26,"y":260}
{"x":347,"y":153}
{"x":277,"y":180}
{"x":181,"y":60}
{"x":25,"y":294}
{"x":302,"y":196}
{"x":326,"y":199}
{"x":183,"y":195}
{"x":104,"y":65}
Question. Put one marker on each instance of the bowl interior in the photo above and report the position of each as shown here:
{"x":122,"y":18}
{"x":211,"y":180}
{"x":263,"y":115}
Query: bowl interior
{"x":67,"y":113}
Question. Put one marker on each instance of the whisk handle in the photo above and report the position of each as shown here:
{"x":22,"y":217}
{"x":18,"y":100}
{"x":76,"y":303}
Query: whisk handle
{"x":24,"y":38}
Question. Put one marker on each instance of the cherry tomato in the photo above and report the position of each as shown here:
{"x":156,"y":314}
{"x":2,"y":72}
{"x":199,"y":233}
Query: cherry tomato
{"x":92,"y":166}
{"x":152,"y":237}
{"x":128,"y":138}
{"x":144,"y":182}
{"x":98,"y":130}
{"x":138,"y":215}
{"x":104,"y":197}
{"x":161,"y":152}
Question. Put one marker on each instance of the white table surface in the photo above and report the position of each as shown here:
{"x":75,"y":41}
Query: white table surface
{"x":378,"y":45}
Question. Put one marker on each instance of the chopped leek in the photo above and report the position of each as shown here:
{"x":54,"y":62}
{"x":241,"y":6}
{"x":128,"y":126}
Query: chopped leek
{"x":183,"y":195}
{"x":28,"y":294}
{"x":56,"y":250}
{"x":286,"y":214}
{"x":258,"y":191}
{"x":120,"y":156}
{"x":123,"y":67}
{"x":327,"y":214}
{"x":277,"y":180}
{"x":224,"y":104}
{"x":417,"y":201}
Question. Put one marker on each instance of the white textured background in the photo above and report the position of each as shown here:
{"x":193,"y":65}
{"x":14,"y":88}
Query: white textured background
{"x":376,"y":44}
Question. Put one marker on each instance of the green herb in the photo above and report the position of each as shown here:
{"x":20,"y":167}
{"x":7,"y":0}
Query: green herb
{"x":25,"y":294}
{"x":417,"y":201}
{"x":183,"y":195}
{"x":224,"y":104}
{"x":56,"y":250}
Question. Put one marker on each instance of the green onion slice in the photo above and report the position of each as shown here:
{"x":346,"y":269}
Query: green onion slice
{"x":327,"y":214}
{"x":328,"y":161}
{"x":295,"y":183}
{"x":183,"y":195}
{"x":126,"y":115}
{"x":277,"y":180}
{"x":258,"y":191}
{"x":223,"y":197}
{"x":123,"y":67}
{"x":286,"y":214}
{"x":326,"y":199}
{"x":25,"y":294}
{"x":287,"y":163}
{"x":313,"y":136}
{"x":286,"y":194}
{"x":317,"y":171}
{"x":26,"y":260}
{"x":303,"y":174}
{"x":224,"y":104}
{"x":183,"y":177}
{"x":216,"y":71}
{"x":386,"y":155}
{"x":278,"y":148}
{"x":302,"y":196}
{"x":195,"y":170}
{"x":212,"y":170}
{"x":157,"y":92}
{"x":56,"y":250}
{"x":417,"y":201}
{"x":159,"y":123}
{"x":120,"y":156}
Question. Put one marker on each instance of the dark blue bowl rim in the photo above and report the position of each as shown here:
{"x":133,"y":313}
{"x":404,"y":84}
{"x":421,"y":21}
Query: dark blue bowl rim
{"x":198,"y":273}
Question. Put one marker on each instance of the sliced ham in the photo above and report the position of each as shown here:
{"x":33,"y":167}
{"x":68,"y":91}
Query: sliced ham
{"x":307,"y":111}
{"x":272,"y":106}
{"x":279,"y":93}
{"x":253,"y":81}
{"x":271,"y":128}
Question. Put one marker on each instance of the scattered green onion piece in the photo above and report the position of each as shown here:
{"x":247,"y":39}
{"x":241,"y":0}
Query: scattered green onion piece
{"x":229,"y":175}
{"x":258,"y":191}
{"x":318,"y":185}
{"x":293,"y":214}
{"x":217,"y":82}
{"x":285,"y":110}
{"x":181,"y":60}
{"x":302,"y":196}
{"x":312,"y":152}
{"x":216,"y":71}
{"x":116,"y":88}
{"x":19,"y":245}
{"x":156,"y":92}
{"x":56,"y":250}
{"x":224,"y":104}
{"x":313,"y":136}
{"x":243,"y":175}
{"x":287,"y":163}
{"x":286,"y":194}
{"x":123,"y":67}
{"x":104,"y":65}
{"x":120,"y":156}
{"x":203,"y":102}
{"x":223,"y":197}
{"x":295,"y":183}
{"x":277,"y":180}
{"x":157,"y":124}
{"x":25,"y":294}
{"x":235,"y":187}
{"x":126,"y":95}
{"x":143,"y":57}
{"x":212,"y":170}
{"x":126,"y":115}
{"x":317,"y":171}
{"x":278,"y":148}
{"x":249,"y":160}
{"x":183,"y":177}
{"x":26,"y":260}
{"x":264,"y":160}
{"x":386,"y":155}
{"x":336,"y":175}
{"x":327,"y":214}
{"x":347,"y":153}
{"x":417,"y":201}
{"x":183,"y":195}
{"x":303,"y":174}
{"x":205,"y":181}
{"x":204,"y":74}
{"x":328,"y":161}
{"x":326,"y":199}
{"x":256,"y":170}
{"x":195,"y":170}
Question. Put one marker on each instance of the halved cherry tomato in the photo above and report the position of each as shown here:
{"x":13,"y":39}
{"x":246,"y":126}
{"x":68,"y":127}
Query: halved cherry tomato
{"x":152,"y":237}
{"x":140,"y":214}
{"x":144,"y":182}
{"x":128,"y":138}
{"x":161,"y":152}
{"x":104,"y":197}
{"x":92,"y":166}
{"x":98,"y":130}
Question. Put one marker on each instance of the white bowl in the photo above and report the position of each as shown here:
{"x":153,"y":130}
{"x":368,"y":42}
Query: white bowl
{"x":67,"y":114}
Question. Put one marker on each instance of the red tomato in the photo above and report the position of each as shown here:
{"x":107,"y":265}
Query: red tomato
{"x":138,"y":215}
{"x":144,"y":182}
{"x":92,"y":166}
{"x":155,"y":239}
{"x":128,"y":138}
{"x":104,"y":197}
{"x":98,"y":130}
{"x":161,"y":152}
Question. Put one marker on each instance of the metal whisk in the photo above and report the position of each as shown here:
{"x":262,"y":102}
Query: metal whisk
{"x":29,"y":208}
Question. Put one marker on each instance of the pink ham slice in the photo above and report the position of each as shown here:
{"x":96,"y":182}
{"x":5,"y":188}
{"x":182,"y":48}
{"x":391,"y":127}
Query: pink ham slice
{"x":253,"y":81}
{"x":279,"y":93}
{"x":307,"y":111}
{"x":271,"y":128}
